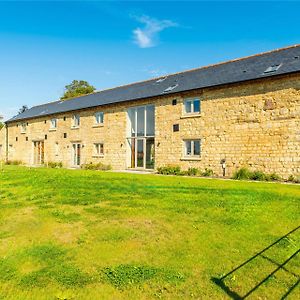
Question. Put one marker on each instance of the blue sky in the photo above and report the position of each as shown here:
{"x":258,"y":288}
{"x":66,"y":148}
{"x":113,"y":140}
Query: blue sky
{"x":45,"y":45}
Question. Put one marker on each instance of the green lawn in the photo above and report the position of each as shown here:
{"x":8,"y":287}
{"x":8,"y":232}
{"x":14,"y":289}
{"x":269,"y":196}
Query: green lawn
{"x":68,"y":234}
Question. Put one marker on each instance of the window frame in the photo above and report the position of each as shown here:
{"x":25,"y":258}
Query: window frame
{"x":192,"y":154}
{"x":76,"y":121}
{"x":23,"y":128}
{"x":99,"y":114}
{"x":51,"y":124}
{"x":192,"y":101}
{"x":99,"y":146}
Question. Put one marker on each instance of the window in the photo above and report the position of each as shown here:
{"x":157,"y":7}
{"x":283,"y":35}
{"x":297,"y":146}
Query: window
{"x":99,"y":149}
{"x":65,"y":135}
{"x":23,"y":128}
{"x":174,"y":101}
{"x":272,"y":68}
{"x":46,"y":136}
{"x":76,"y":121}
{"x":192,"y":106}
{"x":175,"y":127}
{"x":99,"y":117}
{"x":192,"y":148}
{"x":16,"y":139}
{"x":53,"y":124}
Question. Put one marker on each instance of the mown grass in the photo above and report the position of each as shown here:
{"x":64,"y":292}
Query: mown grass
{"x":93,"y":235}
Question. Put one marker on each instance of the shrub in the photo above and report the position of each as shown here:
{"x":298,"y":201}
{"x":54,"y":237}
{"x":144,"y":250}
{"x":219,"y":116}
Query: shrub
{"x":98,"y":166}
{"x":192,"y":172}
{"x":294,"y":179}
{"x":241,"y":174}
{"x":258,"y":176}
{"x":13,"y":162}
{"x":245,"y":174}
{"x":55,"y":165}
{"x":207,"y":172}
{"x":169,"y":170}
{"x":274,"y":177}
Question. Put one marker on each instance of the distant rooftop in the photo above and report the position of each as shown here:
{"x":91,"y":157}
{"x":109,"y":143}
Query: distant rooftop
{"x":273,"y":63}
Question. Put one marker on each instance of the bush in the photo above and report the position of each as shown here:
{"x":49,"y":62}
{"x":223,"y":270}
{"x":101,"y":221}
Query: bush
{"x":192,"y":172}
{"x":169,"y":170}
{"x":258,"y":176}
{"x":14,"y":162}
{"x":275,"y":177}
{"x":245,"y":174}
{"x":207,"y":172}
{"x":98,"y":166}
{"x":294,"y":179}
{"x":242,"y":174}
{"x":55,"y":165}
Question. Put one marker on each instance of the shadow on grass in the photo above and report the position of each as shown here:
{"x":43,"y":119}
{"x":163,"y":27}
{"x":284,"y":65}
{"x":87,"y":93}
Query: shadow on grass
{"x":279,"y":266}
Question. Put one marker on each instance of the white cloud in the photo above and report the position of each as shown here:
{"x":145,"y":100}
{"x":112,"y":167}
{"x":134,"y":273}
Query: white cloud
{"x":147,"y":36}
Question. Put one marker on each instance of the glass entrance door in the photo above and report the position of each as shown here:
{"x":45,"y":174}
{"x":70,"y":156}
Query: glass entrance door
{"x":140,"y":135}
{"x":76,"y":149}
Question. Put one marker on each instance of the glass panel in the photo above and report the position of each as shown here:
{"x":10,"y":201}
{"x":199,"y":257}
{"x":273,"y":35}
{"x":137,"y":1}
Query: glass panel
{"x":140,"y":154}
{"x":74,"y":154}
{"x":150,"y":153}
{"x":140,"y":121}
{"x":188,"y":106}
{"x":196,"y":147}
{"x":197,"y":106}
{"x":150,"y":119}
{"x":188,"y":148}
{"x":131,"y":115}
{"x":99,"y":117}
{"x":78,"y":154}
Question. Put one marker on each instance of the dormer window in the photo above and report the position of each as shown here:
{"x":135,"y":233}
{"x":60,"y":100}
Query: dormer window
{"x":76,"y":121}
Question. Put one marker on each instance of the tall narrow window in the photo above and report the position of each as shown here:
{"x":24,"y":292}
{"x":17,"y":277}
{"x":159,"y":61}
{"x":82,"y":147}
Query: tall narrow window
{"x":192,"y":148}
{"x":56,"y":149}
{"x":76,"y":121}
{"x":192,"y":106}
{"x":99,"y":118}
{"x":53,"y":124}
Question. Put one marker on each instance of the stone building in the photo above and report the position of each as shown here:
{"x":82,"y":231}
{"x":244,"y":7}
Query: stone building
{"x":245,"y":111}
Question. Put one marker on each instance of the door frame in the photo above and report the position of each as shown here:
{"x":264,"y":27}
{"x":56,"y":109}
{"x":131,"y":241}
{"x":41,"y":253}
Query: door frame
{"x":38,"y":152}
{"x":74,"y":154}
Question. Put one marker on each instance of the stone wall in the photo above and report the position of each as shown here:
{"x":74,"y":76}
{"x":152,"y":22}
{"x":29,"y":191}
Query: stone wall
{"x":255,"y":124}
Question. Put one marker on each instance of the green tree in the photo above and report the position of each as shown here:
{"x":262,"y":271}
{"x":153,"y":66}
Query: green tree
{"x":1,"y":124}
{"x":77,"y":88}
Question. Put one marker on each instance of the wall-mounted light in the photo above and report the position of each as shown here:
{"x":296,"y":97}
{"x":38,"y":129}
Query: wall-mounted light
{"x":223,"y":165}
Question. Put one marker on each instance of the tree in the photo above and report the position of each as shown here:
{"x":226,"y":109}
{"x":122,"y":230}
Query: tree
{"x":23,"y":109}
{"x":1,"y":124}
{"x":77,"y":88}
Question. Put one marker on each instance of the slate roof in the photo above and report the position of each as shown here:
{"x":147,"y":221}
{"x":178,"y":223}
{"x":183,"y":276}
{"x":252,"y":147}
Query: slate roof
{"x":244,"y":69}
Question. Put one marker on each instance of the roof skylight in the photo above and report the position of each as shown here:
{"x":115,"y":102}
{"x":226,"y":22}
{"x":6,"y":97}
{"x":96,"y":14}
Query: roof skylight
{"x":171,"y":88}
{"x":161,"y":79}
{"x":272,"y":68}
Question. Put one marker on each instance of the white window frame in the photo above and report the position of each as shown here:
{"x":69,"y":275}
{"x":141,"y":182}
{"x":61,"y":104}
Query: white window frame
{"x":97,"y":149}
{"x":53,"y":123}
{"x":76,"y":121}
{"x":23,"y":128}
{"x":192,"y":148}
{"x":99,"y":117}
{"x":192,"y":101}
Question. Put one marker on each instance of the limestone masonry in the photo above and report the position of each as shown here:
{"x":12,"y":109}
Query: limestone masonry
{"x":253,"y":123}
